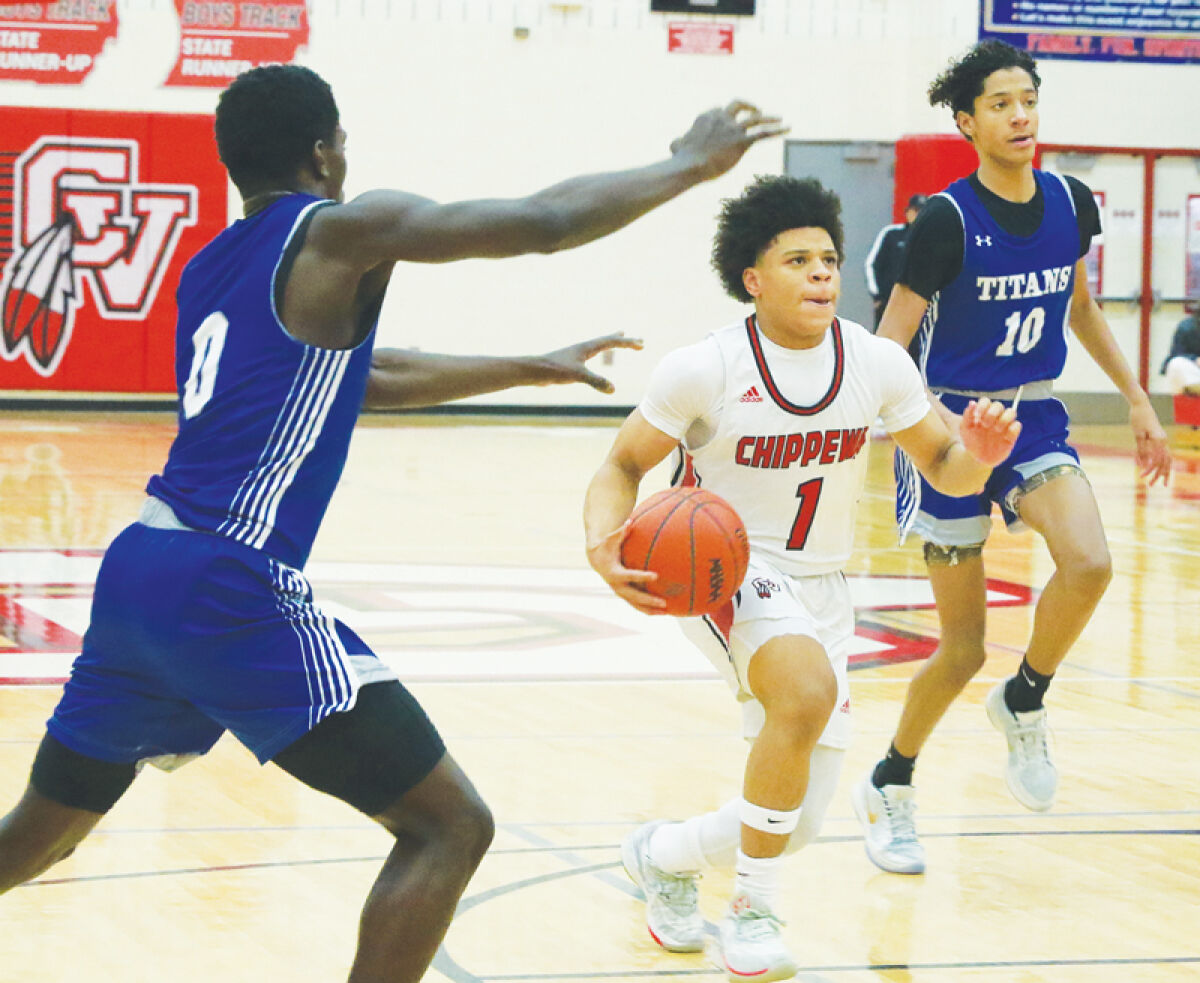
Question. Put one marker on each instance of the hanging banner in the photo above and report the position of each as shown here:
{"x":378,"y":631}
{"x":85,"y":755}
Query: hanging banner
{"x":98,"y":214}
{"x":220,"y":40}
{"x":54,"y":43}
{"x":1112,"y":30}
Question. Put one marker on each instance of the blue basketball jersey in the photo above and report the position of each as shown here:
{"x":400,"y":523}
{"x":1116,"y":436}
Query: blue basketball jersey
{"x":264,"y":420}
{"x":1002,"y":321}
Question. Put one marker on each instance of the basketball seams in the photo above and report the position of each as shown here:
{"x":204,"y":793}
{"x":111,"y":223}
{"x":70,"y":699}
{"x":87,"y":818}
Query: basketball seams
{"x":684,"y":547}
{"x":647,"y":509}
{"x":728,"y":523}
{"x":717,"y":514}
{"x":697,"y":508}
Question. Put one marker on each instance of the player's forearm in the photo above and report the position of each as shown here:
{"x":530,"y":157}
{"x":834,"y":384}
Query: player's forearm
{"x":1093,"y":332}
{"x":955,"y":472}
{"x":594,"y":205}
{"x":404,"y":379}
{"x":610,"y":498}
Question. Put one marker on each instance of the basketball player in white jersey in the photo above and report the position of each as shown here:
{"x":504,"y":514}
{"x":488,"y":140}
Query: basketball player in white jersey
{"x":202,"y":620}
{"x":774,"y":414}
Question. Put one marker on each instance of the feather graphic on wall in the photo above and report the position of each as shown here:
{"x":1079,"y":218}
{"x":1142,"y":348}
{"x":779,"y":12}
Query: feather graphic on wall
{"x":41,"y":290}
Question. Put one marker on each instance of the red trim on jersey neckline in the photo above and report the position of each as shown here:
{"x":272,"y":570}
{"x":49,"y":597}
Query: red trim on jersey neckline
{"x":760,"y":359}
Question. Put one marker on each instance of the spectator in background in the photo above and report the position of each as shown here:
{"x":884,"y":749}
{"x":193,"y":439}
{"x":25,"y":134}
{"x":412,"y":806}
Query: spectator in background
{"x":886,"y":258}
{"x":1182,"y":365}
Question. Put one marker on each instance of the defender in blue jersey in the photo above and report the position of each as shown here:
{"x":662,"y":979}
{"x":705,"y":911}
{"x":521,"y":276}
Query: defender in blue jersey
{"x":202,"y":619}
{"x":993,"y":278}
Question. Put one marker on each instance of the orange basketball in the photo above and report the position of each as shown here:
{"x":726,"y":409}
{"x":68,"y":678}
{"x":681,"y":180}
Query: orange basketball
{"x":695,"y":542}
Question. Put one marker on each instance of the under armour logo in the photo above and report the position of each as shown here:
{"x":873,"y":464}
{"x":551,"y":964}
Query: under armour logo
{"x":983,"y":240}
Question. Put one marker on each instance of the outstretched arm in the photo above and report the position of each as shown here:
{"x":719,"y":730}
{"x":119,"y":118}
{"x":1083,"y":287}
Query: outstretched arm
{"x":1093,"y":332}
{"x":960,"y":465}
{"x":405,"y":378}
{"x":388,"y":226}
{"x":610,"y":497}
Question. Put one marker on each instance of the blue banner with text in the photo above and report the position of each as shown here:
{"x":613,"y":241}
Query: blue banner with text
{"x":1106,"y":30}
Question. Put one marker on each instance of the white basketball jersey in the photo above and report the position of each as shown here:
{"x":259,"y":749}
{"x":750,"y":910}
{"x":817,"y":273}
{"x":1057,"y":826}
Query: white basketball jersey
{"x":783,"y":434}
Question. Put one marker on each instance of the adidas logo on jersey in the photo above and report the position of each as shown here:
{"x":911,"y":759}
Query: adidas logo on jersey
{"x":751,"y":395}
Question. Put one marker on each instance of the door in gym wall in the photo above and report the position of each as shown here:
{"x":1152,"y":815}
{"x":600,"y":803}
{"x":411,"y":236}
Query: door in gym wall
{"x":862,"y":176}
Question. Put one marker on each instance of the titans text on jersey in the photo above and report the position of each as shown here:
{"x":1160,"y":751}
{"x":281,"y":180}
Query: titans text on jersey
{"x":1020,"y":286}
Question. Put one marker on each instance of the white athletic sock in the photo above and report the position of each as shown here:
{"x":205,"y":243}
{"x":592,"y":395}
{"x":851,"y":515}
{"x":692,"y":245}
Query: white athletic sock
{"x":721,"y":833}
{"x":758,"y":877}
{"x":709,"y":840}
{"x":675,"y":847}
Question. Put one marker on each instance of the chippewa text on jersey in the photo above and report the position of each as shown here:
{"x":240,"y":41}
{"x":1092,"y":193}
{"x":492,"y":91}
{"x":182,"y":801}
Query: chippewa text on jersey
{"x":815,"y":447}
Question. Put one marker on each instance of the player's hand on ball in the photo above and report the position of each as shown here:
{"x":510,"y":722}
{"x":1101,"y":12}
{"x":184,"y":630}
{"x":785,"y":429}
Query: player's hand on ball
{"x":629,"y":585}
{"x":569,"y":364}
{"x":989,"y":430}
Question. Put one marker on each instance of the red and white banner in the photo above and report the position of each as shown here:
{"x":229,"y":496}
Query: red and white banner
{"x":98,"y":214}
{"x":698,"y":37}
{"x":220,"y":40}
{"x":54,"y":42}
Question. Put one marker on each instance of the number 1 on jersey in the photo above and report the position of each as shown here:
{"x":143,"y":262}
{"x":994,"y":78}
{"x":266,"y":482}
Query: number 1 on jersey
{"x":808,"y":493}
{"x":207,"y":344}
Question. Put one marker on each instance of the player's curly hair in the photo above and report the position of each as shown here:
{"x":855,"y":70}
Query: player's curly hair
{"x":962,"y":82}
{"x":771,"y":204}
{"x":267,"y":122}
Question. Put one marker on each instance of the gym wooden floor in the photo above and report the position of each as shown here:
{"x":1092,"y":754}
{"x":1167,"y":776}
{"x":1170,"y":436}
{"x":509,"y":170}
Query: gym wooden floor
{"x":454,"y":546}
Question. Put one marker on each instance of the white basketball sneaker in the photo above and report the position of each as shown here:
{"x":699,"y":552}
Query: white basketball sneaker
{"x":889,"y":830}
{"x":672,"y":908}
{"x":749,"y":944}
{"x":1030,"y":774}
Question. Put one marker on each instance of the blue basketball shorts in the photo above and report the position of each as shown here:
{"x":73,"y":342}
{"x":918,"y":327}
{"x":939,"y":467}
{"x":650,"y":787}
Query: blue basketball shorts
{"x":947,"y":521}
{"x":193,"y":634}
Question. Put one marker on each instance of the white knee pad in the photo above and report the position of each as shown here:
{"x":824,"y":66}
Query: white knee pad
{"x":824,"y":771}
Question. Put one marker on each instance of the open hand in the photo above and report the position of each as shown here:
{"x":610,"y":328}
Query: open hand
{"x":989,"y":430}
{"x":629,"y":585}
{"x":1153,"y":454}
{"x":567,"y":364}
{"x":719,"y":137}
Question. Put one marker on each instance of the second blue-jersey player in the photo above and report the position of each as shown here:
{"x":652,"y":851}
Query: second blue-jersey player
{"x":996,"y":327}
{"x":993,"y":277}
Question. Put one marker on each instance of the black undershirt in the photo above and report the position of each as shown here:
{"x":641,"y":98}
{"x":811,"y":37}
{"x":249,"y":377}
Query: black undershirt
{"x":934,"y":255}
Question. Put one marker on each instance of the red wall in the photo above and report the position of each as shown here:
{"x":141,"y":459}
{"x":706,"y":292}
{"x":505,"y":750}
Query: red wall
{"x":99,"y":212}
{"x":927,"y":162}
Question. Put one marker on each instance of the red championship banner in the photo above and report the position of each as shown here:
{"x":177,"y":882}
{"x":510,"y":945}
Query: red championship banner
{"x":221,"y":39}
{"x":54,"y":42}
{"x":98,"y":214}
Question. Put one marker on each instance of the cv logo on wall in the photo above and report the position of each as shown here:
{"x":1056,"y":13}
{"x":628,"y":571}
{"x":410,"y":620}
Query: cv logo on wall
{"x":82,"y":216}
{"x":97,"y":225}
